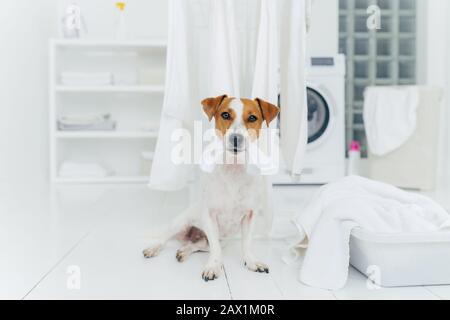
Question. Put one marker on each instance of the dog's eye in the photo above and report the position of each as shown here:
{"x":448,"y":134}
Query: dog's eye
{"x":252,"y":119}
{"x":226,"y":116}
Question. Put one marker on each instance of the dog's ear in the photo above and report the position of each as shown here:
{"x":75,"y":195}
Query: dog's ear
{"x":269,"y":111}
{"x":211,"y":105}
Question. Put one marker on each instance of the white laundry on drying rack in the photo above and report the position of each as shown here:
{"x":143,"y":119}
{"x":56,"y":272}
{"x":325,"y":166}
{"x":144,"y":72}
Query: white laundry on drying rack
{"x":191,"y":57}
{"x":294,"y":106}
{"x":210,"y":53}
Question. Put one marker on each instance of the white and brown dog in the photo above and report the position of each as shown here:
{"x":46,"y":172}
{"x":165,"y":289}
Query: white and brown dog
{"x":231,"y":198}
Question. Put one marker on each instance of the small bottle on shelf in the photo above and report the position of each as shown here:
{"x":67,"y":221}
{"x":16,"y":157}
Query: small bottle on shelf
{"x":121,"y":29}
{"x":354,"y":159}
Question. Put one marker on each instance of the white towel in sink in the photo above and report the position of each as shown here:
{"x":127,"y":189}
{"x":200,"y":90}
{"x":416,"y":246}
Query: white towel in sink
{"x":326,"y":223}
{"x":390,"y":117}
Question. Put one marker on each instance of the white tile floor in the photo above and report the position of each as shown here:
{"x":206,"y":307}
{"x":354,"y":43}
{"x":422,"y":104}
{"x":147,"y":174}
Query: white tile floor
{"x":101,"y":231}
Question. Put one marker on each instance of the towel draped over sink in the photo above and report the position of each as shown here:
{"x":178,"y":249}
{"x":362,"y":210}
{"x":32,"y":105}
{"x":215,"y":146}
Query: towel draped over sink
{"x":326,"y":223}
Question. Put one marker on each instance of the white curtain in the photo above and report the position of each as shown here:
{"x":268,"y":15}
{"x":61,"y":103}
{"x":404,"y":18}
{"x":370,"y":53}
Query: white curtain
{"x":244,"y":48}
{"x":294,"y":117}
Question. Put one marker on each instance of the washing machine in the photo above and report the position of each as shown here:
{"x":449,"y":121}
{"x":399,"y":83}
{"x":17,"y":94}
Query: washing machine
{"x":325,"y":159}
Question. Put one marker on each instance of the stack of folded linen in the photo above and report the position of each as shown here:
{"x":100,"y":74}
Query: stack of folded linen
{"x":87,"y":79}
{"x":148,"y":155}
{"x":150,"y":126}
{"x":96,"y":122}
{"x":85,"y":170}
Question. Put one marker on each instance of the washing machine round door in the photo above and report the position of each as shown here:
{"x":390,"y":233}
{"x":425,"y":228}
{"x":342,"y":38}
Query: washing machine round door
{"x":319,"y":114}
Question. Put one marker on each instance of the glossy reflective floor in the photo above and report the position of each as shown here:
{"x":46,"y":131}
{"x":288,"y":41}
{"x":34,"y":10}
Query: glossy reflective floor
{"x":85,"y":243}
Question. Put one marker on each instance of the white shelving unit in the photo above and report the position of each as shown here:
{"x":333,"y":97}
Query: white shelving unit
{"x":105,"y":135}
{"x":111,"y":89}
{"x":132,"y":104}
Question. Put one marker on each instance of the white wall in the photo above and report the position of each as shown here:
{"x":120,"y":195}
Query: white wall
{"x":445,"y":140}
{"x":25,"y":28}
{"x":144,"y":18}
{"x":324,"y":33}
{"x":147,"y":18}
{"x":437,"y":72}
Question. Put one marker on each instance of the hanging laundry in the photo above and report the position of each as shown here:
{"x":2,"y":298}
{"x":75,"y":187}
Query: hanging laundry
{"x":390,"y":117}
{"x":203,"y":61}
{"x":211,"y":52}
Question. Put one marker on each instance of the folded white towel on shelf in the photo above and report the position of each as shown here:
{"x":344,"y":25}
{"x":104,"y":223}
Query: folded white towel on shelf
{"x":326,"y":224}
{"x":150,"y":126}
{"x":86,"y":122}
{"x":87,"y":79}
{"x":105,"y":126}
{"x":84,"y":170}
{"x":390,"y":117}
{"x":148,"y":155}
{"x":84,"y":119}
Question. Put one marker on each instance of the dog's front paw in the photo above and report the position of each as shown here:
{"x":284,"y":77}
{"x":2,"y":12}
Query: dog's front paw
{"x":152,"y":252}
{"x":182,"y":255}
{"x":212,"y":272}
{"x":257,"y":267}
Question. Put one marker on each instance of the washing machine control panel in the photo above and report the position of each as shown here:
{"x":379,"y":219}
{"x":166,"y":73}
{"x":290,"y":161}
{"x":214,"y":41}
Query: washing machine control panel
{"x":322,"y":62}
{"x":325,"y":66}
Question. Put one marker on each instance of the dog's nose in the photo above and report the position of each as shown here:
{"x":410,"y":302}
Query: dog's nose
{"x":236,"y":140}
